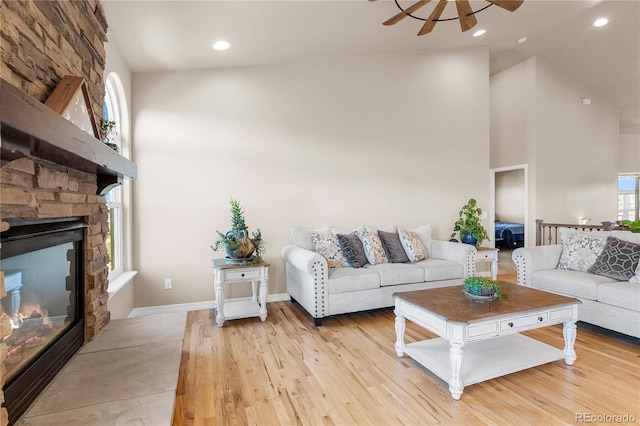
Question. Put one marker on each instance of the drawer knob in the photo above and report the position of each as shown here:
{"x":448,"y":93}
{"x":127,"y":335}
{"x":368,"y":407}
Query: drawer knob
{"x":540,"y":319}
{"x":510,"y":324}
{"x":242,"y":275}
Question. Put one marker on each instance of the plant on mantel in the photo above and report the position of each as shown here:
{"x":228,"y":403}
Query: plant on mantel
{"x":107,"y":128}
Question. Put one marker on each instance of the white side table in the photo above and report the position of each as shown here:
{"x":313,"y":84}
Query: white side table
{"x":254,"y":306}
{"x":487,"y":254}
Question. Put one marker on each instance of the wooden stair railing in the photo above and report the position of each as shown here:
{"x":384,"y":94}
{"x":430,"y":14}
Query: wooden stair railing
{"x":548,"y":233}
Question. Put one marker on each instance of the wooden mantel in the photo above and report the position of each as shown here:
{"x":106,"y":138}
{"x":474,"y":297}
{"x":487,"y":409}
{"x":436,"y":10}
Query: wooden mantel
{"x":29,"y":128}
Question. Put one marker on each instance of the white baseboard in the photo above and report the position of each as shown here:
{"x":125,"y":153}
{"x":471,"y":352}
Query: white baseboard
{"x":194,"y":306}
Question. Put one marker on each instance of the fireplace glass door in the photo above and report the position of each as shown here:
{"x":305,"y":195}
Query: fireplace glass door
{"x":42,"y":268}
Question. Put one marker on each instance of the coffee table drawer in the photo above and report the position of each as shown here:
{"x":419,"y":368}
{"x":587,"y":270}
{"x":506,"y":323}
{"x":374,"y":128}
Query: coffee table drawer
{"x":524,"y":321}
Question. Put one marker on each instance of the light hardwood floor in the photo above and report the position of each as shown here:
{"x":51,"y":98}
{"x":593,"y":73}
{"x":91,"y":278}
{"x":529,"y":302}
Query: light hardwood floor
{"x":286,"y":371}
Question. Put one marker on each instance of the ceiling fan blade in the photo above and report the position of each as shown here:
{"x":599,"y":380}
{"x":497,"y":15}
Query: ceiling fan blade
{"x":431,"y":22}
{"x":465,"y":14}
{"x":510,"y":5}
{"x":400,"y":16}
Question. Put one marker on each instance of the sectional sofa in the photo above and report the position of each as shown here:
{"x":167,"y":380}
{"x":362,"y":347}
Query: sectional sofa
{"x":323,"y":283}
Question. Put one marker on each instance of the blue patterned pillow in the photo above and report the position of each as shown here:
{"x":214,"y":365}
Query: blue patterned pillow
{"x":618,"y":260}
{"x":352,"y":249}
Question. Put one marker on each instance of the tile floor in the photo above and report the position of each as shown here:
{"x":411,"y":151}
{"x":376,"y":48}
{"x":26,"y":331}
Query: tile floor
{"x":126,"y":376}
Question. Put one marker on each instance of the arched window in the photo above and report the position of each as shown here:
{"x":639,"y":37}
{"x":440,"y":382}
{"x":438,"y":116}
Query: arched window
{"x":115,"y":238}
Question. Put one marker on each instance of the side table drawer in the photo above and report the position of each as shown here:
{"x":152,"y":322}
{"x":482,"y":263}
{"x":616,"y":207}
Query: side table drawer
{"x":523,"y":322}
{"x":242,"y":275}
{"x":485,"y":256}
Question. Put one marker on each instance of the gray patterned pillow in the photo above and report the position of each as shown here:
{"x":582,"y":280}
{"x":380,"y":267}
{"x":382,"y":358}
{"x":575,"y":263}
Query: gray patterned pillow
{"x":618,"y":259}
{"x":328,"y":247}
{"x":393,"y":247}
{"x":580,"y":251}
{"x":352,"y":249}
{"x":412,"y":245}
{"x":373,"y":249}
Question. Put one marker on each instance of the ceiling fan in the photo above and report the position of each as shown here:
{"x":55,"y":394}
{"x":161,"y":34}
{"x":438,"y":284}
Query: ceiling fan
{"x":466,"y":14}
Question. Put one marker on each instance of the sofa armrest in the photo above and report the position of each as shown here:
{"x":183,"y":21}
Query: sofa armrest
{"x":307,"y":275}
{"x":301,"y":259}
{"x":464,"y":254}
{"x":531,"y":259}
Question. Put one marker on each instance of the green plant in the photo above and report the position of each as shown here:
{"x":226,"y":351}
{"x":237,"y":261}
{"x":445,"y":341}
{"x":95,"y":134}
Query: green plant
{"x":106,"y":128}
{"x":469,"y":222}
{"x":475,"y":285}
{"x":236,"y":241}
{"x":634,"y":226}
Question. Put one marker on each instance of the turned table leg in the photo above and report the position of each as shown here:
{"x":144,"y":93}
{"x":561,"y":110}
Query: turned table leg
{"x":400,"y":327}
{"x":569,"y":332}
{"x":455,"y":363}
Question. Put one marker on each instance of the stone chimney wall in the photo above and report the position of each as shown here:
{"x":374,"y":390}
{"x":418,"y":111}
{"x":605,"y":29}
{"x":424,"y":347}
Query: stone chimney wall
{"x":40,"y":43}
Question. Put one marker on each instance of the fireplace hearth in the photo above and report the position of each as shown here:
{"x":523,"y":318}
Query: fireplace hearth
{"x":42,"y":313}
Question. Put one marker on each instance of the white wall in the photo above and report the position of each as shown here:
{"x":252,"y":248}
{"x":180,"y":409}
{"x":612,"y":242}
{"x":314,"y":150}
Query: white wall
{"x":572,"y":150}
{"x":509,"y":193}
{"x":629,"y":153}
{"x":577,"y":151}
{"x":393,"y":139}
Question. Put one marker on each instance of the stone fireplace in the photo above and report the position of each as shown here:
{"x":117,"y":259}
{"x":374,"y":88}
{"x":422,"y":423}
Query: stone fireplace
{"x":52,"y":172}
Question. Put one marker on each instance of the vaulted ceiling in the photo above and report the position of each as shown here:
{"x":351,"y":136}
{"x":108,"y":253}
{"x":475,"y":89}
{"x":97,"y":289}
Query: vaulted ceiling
{"x":155,"y":36}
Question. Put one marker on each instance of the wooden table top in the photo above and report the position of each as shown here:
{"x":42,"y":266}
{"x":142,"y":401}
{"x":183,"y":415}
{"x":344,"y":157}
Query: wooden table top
{"x":451,"y":304}
{"x":223,"y":264}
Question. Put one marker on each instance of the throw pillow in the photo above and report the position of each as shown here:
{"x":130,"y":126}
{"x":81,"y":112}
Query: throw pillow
{"x":328,"y":247}
{"x":373,"y":249}
{"x":580,"y":251}
{"x":618,"y":260}
{"x":352,"y":249}
{"x":393,"y":247}
{"x":412,"y":245}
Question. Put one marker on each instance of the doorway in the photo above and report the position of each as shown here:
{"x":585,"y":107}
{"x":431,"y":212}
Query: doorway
{"x":508,"y":216}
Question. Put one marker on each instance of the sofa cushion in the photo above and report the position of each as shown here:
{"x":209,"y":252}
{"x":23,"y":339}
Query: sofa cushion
{"x":393,"y":247}
{"x":352,"y":249}
{"x":328,"y":247}
{"x":620,"y":293}
{"x":571,"y":283}
{"x":438,"y":269}
{"x":413,"y":245}
{"x":397,"y":273}
{"x":343,"y":280}
{"x":302,"y":236}
{"x":618,"y":260}
{"x":580,"y":251}
{"x":373,"y":249}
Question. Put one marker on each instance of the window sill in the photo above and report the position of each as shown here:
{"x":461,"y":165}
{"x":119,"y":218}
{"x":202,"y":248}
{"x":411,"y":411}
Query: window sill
{"x":116,"y":284}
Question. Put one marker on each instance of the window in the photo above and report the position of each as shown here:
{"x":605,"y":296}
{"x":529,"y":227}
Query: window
{"x":628,"y":197}
{"x":114,"y":196}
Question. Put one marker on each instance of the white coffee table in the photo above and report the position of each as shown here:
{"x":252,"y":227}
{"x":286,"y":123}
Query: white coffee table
{"x":480,"y":340}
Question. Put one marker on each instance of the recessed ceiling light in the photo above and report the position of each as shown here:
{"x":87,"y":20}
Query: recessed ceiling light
{"x":221,"y":45}
{"x":600,"y":22}
{"x":479,"y":33}
{"x":522,"y":40}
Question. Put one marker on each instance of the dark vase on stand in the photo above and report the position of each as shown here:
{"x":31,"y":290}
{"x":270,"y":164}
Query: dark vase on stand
{"x":469,"y":239}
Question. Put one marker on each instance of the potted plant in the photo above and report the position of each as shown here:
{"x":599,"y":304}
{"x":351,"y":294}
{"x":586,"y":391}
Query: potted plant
{"x":107,"y":128}
{"x":481,"y":288}
{"x":469,"y":224}
{"x":634,"y":226}
{"x":236,"y":241}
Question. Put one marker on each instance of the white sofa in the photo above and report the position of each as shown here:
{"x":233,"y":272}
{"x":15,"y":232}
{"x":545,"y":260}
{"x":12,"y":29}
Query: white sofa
{"x":323,"y":291}
{"x":606,"y":302}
